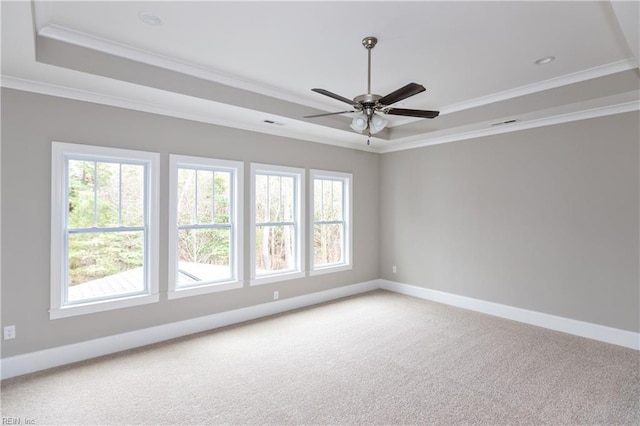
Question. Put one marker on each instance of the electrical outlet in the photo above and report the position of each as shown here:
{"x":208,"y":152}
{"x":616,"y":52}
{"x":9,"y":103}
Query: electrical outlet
{"x":394,"y":269}
{"x":276,"y":295}
{"x":10,"y":332}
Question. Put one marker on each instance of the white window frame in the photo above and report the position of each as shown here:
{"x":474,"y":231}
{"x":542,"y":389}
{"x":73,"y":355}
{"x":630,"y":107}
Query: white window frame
{"x":60,"y":154}
{"x":299,"y":177}
{"x":236,"y":169}
{"x":347,"y":212}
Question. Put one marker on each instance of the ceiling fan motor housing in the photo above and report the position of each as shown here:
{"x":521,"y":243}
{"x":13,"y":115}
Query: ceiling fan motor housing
{"x":368,"y":102}
{"x":367,"y":99}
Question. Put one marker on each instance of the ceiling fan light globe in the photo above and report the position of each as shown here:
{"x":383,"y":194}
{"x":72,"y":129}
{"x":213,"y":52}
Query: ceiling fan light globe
{"x":359,"y":123}
{"x":377,"y":123}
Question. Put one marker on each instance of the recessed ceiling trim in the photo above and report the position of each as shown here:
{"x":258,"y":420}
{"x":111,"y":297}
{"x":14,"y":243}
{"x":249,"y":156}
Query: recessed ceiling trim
{"x":577,"y":77}
{"x":110,"y":47}
{"x":520,"y":125}
{"x":87,"y":96}
{"x":102,"y":99}
{"x":153,"y":108}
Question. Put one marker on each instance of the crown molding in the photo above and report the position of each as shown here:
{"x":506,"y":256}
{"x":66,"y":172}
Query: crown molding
{"x":126,"y":103}
{"x":100,"y":98}
{"x":522,"y":125}
{"x":78,"y":38}
{"x":565,"y":80}
{"x":15,"y":83}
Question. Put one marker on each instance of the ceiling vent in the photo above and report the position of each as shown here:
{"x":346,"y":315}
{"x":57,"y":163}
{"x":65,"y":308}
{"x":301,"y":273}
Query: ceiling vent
{"x":277,"y":123}
{"x":502,"y":123}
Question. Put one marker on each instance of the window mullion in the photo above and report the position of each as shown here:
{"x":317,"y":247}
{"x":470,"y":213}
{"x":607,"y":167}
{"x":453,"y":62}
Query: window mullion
{"x":280,"y":204}
{"x":146,"y":222}
{"x":344,"y":199}
{"x":332,"y":200}
{"x":66,"y":195}
{"x":233,"y":232}
{"x":205,"y":226}
{"x":195,"y":198}
{"x":232,"y":198}
{"x":329,"y":222}
{"x":275,"y":223}
{"x":213,"y":197}
{"x":120,"y":195}
{"x":97,"y":230}
{"x":95,"y":193}
{"x":268,"y":211}
{"x":321,"y":199}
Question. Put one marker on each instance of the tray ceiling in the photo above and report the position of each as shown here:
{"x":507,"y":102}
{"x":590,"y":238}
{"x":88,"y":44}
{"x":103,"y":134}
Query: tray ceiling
{"x":240,"y":64}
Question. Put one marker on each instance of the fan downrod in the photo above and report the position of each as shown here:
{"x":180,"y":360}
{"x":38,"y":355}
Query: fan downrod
{"x":369,"y":43}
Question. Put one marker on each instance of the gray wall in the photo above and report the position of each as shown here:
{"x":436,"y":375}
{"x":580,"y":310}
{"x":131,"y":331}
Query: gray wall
{"x":30,"y":122}
{"x":544,"y":219}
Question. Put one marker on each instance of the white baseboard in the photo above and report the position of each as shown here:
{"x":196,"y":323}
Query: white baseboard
{"x":54,"y":357}
{"x":602,"y":333}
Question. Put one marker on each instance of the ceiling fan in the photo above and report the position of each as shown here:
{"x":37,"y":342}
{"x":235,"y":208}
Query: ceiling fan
{"x":369,"y":104}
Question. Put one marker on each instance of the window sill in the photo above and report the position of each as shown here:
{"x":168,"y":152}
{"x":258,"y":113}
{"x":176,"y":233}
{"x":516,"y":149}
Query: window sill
{"x":102,"y":305}
{"x":330,"y":269}
{"x":203,"y":289}
{"x":268,"y":279}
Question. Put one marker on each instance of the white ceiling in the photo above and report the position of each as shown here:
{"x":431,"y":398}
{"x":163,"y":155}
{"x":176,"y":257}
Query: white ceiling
{"x":239,"y":63}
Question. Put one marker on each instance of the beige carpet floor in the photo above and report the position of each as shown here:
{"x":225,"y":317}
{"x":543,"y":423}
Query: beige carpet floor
{"x":377,"y":358}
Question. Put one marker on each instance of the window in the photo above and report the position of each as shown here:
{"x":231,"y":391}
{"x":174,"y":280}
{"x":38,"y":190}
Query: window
{"x":104,"y":229}
{"x":277,"y":231}
{"x":205,"y":239}
{"x":331,"y":221}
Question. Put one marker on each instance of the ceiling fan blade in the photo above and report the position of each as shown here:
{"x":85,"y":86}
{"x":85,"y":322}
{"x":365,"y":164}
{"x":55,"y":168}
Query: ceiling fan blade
{"x":402,"y":93}
{"x":413,"y":112}
{"x":328,"y":113}
{"x":334,"y":96}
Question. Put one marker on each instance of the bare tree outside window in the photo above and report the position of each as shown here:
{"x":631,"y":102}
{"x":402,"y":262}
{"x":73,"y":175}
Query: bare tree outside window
{"x":331,"y":221}
{"x":204,"y":225}
{"x":275,"y":223}
{"x":328,"y":230}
